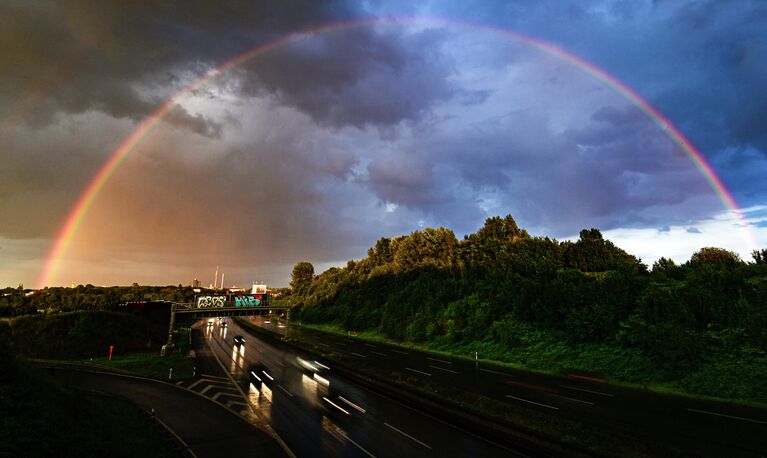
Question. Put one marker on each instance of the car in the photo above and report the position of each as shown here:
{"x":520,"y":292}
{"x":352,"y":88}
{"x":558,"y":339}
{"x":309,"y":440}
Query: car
{"x":239,"y":340}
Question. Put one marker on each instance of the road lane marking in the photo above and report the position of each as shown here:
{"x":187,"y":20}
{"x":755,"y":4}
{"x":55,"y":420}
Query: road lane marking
{"x":497,"y":372}
{"x":532,"y":402}
{"x":728,"y":416}
{"x":416,"y":370}
{"x":371,"y":346}
{"x":588,"y":391}
{"x":401,"y":352}
{"x":573,"y":399}
{"x":439,"y":360}
{"x":196,"y":383}
{"x":358,"y":445}
{"x":378,"y":353}
{"x":178,"y":438}
{"x":206,"y":389}
{"x":357,"y":354}
{"x":267,"y":375}
{"x":407,"y":435}
{"x":286,"y":391}
{"x":443,"y":369}
{"x":219,"y":394}
{"x":351,"y":404}
{"x":213,"y":377}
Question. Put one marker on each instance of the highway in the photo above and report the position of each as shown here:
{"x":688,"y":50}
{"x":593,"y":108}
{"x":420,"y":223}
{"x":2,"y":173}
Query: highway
{"x":674,"y":424}
{"x":318,"y":413}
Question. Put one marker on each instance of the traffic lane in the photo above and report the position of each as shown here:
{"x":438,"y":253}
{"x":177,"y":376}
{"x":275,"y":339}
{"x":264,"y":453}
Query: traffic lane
{"x":386,"y":428}
{"x":207,"y":428}
{"x":300,"y":428}
{"x":204,"y":362}
{"x":696,"y":425}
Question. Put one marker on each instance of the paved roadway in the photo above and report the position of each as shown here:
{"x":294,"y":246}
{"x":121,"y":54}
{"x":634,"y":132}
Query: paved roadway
{"x":207,"y":429}
{"x":693,"y":426}
{"x":318,"y":413}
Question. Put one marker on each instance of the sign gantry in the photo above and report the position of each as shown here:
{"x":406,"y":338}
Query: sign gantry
{"x":215,"y":305}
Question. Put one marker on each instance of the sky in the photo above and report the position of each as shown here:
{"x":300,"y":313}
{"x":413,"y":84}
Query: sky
{"x":349,"y":121}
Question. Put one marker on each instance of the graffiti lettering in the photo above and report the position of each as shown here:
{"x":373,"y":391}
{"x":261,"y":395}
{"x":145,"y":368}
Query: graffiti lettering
{"x":246,"y":301}
{"x":211,"y":301}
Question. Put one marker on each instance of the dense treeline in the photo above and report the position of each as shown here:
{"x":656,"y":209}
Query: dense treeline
{"x":19,"y":301}
{"x":511,"y":295}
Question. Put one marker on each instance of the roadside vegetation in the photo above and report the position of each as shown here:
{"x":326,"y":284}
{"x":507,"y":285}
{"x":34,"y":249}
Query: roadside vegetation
{"x":585,"y":306}
{"x":136,"y":332}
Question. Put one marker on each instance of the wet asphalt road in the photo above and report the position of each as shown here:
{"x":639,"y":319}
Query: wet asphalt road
{"x":690,"y":426}
{"x":318,"y":413}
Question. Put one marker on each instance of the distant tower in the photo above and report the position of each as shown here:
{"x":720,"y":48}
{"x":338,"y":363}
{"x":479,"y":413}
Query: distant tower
{"x":222,"y":280}
{"x":215,"y":279}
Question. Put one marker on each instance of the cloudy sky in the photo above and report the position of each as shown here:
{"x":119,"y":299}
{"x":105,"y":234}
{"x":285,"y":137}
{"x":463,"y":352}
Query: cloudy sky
{"x":316,"y":147}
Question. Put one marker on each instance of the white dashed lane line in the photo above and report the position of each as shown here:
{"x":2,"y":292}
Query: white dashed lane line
{"x":575,"y":400}
{"x":417,"y":371}
{"x":532,"y":402}
{"x":587,"y":391}
{"x":440,"y":360}
{"x":285,"y":390}
{"x":706,"y":412}
{"x":378,"y":353}
{"x":497,"y":373}
{"x":357,"y":354}
{"x":401,"y":352}
{"x":443,"y":369}
{"x":407,"y":435}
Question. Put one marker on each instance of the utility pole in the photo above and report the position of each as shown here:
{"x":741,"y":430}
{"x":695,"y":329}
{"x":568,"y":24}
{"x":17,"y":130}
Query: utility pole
{"x":170,"y":326}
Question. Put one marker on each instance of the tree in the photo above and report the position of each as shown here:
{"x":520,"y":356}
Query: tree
{"x":301,"y":277}
{"x":592,"y":253}
{"x":713,"y":255}
{"x":760,"y":256}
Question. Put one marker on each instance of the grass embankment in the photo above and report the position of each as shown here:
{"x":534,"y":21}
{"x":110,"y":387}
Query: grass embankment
{"x":738,"y":378}
{"x":82,"y":339}
{"x":39,"y":417}
{"x":145,"y":363}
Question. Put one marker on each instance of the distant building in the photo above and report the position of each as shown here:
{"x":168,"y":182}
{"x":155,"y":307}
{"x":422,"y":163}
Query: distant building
{"x":195,"y":283}
{"x":258,"y":289}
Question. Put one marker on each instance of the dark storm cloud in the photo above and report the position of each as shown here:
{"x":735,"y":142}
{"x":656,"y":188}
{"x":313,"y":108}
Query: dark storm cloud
{"x":618,"y":170}
{"x":123,"y":59}
{"x":702,"y":63}
{"x":358,"y":76}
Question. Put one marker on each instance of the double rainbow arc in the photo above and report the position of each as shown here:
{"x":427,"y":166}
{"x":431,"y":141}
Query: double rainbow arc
{"x":91,"y":192}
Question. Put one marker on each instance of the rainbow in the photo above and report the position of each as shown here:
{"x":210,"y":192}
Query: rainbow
{"x":91,"y":192}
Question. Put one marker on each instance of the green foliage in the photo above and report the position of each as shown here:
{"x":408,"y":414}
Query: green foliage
{"x":585,"y":305}
{"x":712,"y":255}
{"x":301,"y":277}
{"x":78,"y":334}
{"x":760,"y":256}
{"x":15,"y":302}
